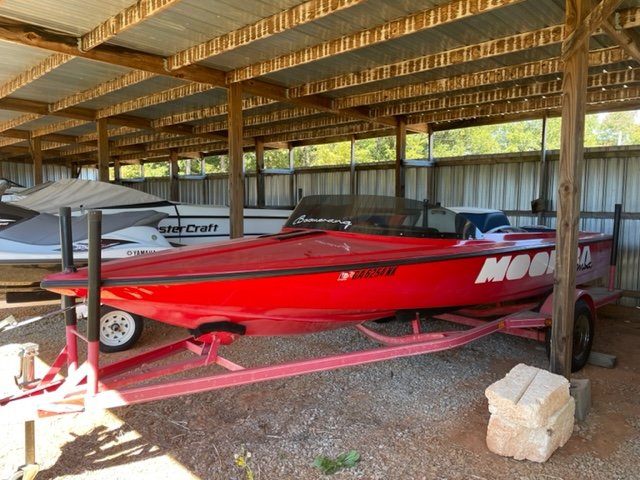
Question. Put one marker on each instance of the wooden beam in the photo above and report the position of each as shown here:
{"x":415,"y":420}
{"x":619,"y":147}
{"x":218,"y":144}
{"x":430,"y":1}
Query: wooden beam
{"x":491,"y":48}
{"x":524,"y":72}
{"x":521,"y":42}
{"x":16,"y":122}
{"x":174,"y":185}
{"x":27,"y":134}
{"x":280,"y":22}
{"x":59,"y":126}
{"x":103,"y":149}
{"x":627,"y":39}
{"x":104,"y":88}
{"x":38,"y":37}
{"x":157,"y":98}
{"x":130,"y":16}
{"x":236,"y":180}
{"x":423,"y":20}
{"x":40,"y":69}
{"x":569,"y":191}
{"x":35,"y":148}
{"x":594,"y":20}
{"x":522,"y":109}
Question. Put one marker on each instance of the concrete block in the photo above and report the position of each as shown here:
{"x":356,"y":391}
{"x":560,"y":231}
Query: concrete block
{"x":510,"y":439}
{"x":580,"y":390}
{"x":528,"y":396}
{"x":602,"y":360}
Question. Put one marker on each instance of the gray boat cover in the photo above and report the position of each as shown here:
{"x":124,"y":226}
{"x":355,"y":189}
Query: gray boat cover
{"x":81,"y":194}
{"x":44,"y":229}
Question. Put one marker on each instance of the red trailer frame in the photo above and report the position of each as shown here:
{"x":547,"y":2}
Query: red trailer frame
{"x":138,"y":378}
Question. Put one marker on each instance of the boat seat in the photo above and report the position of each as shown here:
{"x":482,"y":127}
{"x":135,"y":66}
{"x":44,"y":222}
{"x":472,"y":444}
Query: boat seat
{"x":44,"y":229}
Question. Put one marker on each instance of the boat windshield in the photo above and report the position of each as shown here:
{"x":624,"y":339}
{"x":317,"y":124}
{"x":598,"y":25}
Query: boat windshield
{"x":379,"y":215}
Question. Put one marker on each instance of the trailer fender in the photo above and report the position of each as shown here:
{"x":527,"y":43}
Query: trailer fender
{"x":547,"y":305}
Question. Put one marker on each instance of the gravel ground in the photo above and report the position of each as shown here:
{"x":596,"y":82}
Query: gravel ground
{"x":422,"y":417}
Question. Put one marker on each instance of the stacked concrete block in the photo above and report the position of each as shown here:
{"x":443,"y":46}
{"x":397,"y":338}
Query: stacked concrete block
{"x":532,"y":414}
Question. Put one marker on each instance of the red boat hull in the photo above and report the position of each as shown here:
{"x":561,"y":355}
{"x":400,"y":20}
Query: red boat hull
{"x":302,"y":282}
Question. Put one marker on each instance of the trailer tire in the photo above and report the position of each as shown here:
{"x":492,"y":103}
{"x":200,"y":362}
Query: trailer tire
{"x":119,"y":329}
{"x":583,"y":332}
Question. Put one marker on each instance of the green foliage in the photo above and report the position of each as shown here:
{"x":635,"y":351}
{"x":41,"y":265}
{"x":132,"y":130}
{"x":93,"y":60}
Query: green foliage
{"x":603,"y":129}
{"x":330,"y":466}
{"x":241,"y":460}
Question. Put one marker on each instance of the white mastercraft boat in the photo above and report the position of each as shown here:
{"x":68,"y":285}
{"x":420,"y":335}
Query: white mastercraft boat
{"x":184,"y":224}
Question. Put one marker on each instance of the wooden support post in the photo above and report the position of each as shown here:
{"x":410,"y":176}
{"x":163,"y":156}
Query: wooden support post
{"x":103,"y":149}
{"x":260,"y":193}
{"x":432,"y":186}
{"x":574,"y":89}
{"x":116,"y":171}
{"x":401,"y":153}
{"x":236,"y":181}
{"x":35,"y":146}
{"x":174,"y":185}
{"x":293,"y":195}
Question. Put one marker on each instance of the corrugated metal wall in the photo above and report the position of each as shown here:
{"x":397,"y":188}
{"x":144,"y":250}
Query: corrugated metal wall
{"x":507,"y":182}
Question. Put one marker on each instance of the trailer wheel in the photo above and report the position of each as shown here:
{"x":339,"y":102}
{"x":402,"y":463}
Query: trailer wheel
{"x":582,"y":336}
{"x":119,"y":329}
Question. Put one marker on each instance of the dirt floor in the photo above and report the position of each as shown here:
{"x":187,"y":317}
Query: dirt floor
{"x":422,"y":417}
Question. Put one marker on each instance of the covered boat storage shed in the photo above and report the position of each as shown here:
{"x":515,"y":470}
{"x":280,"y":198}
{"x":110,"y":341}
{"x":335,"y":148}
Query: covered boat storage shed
{"x":94,"y":85}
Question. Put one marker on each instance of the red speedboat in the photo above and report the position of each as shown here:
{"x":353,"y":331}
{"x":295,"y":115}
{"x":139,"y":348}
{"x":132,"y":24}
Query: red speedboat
{"x":339,"y":261}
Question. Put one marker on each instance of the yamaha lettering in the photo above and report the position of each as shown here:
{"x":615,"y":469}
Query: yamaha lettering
{"x":367,"y":273}
{"x":516,"y":267}
{"x":135,"y":253}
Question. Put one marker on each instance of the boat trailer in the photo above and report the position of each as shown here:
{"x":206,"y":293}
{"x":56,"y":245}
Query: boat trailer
{"x":141,"y":378}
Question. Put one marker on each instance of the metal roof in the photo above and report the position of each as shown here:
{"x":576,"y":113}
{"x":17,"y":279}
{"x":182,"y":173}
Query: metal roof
{"x":311,"y":71}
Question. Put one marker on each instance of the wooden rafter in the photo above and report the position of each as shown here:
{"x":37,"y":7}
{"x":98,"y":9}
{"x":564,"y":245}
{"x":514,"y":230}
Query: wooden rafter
{"x":157,"y":98}
{"x":552,"y":35}
{"x":627,"y":39}
{"x":512,"y":74}
{"x":35,"y":36}
{"x":57,"y":127}
{"x":130,"y":16}
{"x":521,"y":109}
{"x":104,"y":88}
{"x":502,"y":95}
{"x":430,"y":18}
{"x":16,"y":122}
{"x":4,"y":142}
{"x":501,"y":46}
{"x":293,"y":17}
{"x":208,"y":112}
{"x":113,"y":132}
{"x":41,"y":68}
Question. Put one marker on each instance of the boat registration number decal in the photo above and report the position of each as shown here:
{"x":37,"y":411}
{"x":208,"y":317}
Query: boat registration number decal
{"x":516,"y":267}
{"x":367,"y":273}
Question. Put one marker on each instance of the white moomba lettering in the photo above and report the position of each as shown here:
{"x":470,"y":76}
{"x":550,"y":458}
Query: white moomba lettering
{"x":516,"y":267}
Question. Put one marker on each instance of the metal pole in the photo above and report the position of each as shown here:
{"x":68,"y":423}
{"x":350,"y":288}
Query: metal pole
{"x":93,"y":300}
{"x":71,"y":321}
{"x":28,"y":353}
